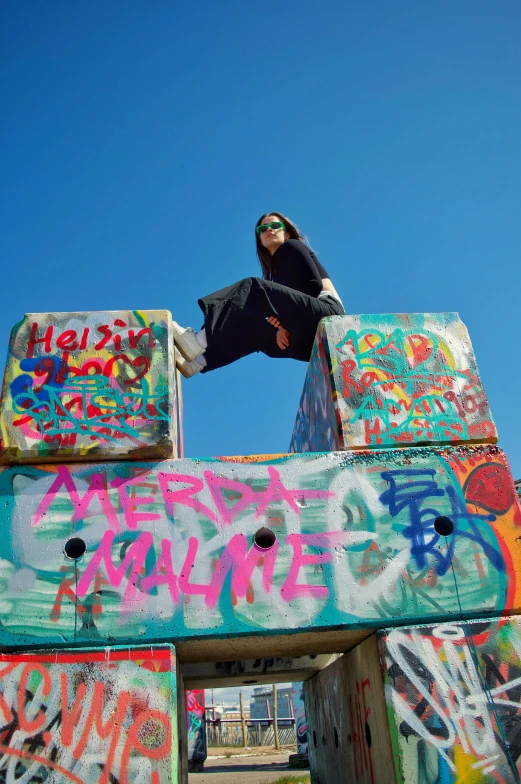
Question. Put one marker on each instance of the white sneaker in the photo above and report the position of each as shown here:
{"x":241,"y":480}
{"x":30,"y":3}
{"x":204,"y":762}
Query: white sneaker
{"x":187,"y":369}
{"x":186,"y":342}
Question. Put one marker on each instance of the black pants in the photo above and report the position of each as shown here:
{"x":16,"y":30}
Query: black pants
{"x":235,"y":321}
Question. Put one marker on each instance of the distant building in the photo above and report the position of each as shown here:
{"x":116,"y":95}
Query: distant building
{"x":261,"y":704}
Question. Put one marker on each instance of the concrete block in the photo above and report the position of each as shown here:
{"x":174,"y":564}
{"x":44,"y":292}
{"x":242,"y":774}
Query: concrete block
{"x":182,"y":731}
{"x":89,"y":715}
{"x":263,"y":670}
{"x":345,"y":543}
{"x":452,"y":693}
{"x":391,"y":380}
{"x":91,"y":386}
{"x":196,"y":725}
{"x":299,"y":761}
{"x":299,"y":711}
{"x":348,"y":733}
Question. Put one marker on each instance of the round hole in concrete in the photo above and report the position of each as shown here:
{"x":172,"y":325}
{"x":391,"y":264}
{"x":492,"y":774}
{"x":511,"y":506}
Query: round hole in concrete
{"x":314,"y":738}
{"x":443,"y":525}
{"x":336,"y":739}
{"x":264,"y":538}
{"x":368,"y":738}
{"x":74,"y":548}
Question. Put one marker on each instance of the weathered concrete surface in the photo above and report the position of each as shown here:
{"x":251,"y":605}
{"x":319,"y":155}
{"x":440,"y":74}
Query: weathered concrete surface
{"x":182,"y":732}
{"x":348,"y":733}
{"x":299,"y":711}
{"x":89,"y":715}
{"x":453,"y":699}
{"x":392,"y":380}
{"x":196,"y":724}
{"x":264,"y":670}
{"x":170,"y":553}
{"x":91,"y":386}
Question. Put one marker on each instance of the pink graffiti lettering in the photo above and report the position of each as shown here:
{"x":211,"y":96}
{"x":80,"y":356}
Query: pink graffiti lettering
{"x":242,"y":563}
{"x":291,"y":589}
{"x":236,"y":558}
{"x":134,"y":558}
{"x":163,"y":572}
{"x":183,"y":496}
{"x":260,"y":500}
{"x":97,"y":487}
{"x":132,"y":517}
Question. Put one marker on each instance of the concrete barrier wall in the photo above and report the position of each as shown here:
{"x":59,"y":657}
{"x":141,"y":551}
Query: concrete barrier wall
{"x":297,"y":698}
{"x":453,"y":697}
{"x":90,"y":386}
{"x":196,"y":725}
{"x":348,"y":733}
{"x":390,"y":380}
{"x":170,"y":551}
{"x":99,"y":715}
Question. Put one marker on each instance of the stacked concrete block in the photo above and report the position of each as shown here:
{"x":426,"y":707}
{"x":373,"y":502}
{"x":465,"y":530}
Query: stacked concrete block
{"x":392,"y":380}
{"x":411,"y":517}
{"x":348,"y":733}
{"x":434,"y":703}
{"x":453,"y":700}
{"x":301,"y":758}
{"x":85,"y":387}
{"x":89,"y":715}
{"x":196,"y":728}
{"x":90,"y":386}
{"x":222,"y":554}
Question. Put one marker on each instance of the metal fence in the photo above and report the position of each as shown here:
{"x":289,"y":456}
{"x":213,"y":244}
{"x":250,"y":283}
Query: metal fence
{"x":230,"y":734}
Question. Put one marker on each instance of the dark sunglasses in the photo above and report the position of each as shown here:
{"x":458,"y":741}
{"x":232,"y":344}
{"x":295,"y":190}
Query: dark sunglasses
{"x":265,"y":226}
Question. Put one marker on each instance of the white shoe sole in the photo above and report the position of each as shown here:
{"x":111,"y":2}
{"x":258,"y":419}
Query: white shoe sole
{"x":186,"y":342}
{"x":187,"y":369}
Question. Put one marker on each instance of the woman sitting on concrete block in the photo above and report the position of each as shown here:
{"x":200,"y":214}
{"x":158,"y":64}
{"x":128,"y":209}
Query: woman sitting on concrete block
{"x":277,"y":314}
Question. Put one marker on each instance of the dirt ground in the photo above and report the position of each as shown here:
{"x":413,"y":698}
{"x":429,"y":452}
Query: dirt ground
{"x":222,"y":751}
{"x":259,"y":769}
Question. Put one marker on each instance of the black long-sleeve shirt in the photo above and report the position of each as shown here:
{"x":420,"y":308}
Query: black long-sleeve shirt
{"x":296,"y":266}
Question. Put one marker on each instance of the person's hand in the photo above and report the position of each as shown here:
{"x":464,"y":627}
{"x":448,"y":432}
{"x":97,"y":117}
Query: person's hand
{"x":282,"y":338}
{"x":274,"y":321}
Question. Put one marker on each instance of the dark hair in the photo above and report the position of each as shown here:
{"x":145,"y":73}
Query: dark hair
{"x":263,"y":253}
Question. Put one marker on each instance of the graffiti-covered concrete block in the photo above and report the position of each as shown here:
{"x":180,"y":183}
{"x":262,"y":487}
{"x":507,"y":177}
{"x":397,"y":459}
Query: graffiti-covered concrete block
{"x":392,"y":380}
{"x":299,"y":711}
{"x":226,"y":556}
{"x":452,"y":693}
{"x":347,"y":727}
{"x":91,"y":386}
{"x":98,"y":715}
{"x":196,"y":729}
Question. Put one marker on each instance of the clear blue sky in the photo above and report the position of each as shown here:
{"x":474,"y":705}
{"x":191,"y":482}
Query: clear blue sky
{"x":141,"y":141}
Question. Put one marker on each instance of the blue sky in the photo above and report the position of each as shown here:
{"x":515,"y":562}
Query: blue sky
{"x":141,"y":141}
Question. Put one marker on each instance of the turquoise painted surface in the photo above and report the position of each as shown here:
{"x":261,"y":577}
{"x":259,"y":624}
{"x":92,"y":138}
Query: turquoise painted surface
{"x":94,"y":715}
{"x":452,"y":693}
{"x":395,"y":380}
{"x":170,"y":552}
